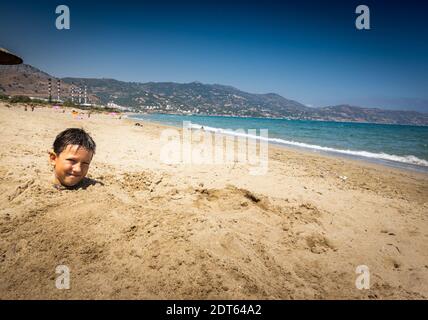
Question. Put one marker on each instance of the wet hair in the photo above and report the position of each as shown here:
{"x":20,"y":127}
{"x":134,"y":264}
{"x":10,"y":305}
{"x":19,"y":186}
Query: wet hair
{"x":73,"y":136}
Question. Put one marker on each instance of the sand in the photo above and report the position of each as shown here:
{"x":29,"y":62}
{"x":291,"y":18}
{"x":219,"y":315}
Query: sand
{"x":150,"y":230}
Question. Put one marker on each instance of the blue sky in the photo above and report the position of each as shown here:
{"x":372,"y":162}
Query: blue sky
{"x":308,"y":51}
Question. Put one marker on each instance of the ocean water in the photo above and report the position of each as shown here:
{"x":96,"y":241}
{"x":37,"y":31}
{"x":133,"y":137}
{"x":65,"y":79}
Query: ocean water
{"x":394,"y":145}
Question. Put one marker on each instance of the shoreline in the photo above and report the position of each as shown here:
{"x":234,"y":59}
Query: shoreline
{"x":420,"y":169}
{"x":243,"y":117}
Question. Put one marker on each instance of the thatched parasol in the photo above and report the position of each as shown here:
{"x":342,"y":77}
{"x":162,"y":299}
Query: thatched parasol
{"x":8,"y":58}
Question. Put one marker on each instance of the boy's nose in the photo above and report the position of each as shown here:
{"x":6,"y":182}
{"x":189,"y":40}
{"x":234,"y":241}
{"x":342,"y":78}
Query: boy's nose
{"x":77,"y":168}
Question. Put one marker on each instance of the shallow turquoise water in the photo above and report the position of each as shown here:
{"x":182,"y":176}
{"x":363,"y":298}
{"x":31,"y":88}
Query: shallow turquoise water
{"x":397,"y":145}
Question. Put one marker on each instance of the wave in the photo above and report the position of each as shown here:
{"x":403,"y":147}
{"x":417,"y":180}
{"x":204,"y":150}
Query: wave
{"x":408,"y":159}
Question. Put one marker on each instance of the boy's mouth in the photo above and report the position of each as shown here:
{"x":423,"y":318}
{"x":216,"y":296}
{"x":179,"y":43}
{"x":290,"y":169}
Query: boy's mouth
{"x":73,"y":175}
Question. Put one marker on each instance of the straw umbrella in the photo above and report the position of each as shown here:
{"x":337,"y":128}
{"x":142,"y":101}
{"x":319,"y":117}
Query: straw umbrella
{"x":8,"y":58}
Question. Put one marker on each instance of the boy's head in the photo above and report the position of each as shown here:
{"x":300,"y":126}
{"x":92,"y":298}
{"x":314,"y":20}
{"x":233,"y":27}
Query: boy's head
{"x":71,"y":156}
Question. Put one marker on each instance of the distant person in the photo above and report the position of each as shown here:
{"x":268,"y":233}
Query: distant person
{"x":32,"y":108}
{"x":72,"y":153}
{"x":25,"y":108}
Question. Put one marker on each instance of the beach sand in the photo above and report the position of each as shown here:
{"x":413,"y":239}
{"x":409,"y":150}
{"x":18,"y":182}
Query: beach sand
{"x":150,"y":230}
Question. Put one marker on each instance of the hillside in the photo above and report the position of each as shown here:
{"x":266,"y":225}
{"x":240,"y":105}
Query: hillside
{"x":27,"y":80}
{"x":194,"y":98}
{"x":373,"y":115}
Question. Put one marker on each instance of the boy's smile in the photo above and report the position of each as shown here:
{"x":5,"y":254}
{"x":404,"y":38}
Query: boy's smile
{"x":71,"y":165}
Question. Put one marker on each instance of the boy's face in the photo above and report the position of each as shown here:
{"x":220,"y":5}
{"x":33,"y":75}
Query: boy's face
{"x":71,"y":165}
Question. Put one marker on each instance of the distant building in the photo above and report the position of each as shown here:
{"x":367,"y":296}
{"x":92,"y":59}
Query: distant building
{"x":116,"y":106}
{"x":39,"y":98}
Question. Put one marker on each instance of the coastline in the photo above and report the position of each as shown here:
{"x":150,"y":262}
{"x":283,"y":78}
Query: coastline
{"x":360,"y":159}
{"x":171,"y":231}
{"x":296,"y":119}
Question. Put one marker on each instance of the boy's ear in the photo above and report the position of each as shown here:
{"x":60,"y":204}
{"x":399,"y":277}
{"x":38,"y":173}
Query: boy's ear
{"x":52,"y":157}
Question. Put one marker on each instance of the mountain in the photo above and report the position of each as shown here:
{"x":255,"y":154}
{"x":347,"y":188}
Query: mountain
{"x":27,"y":80}
{"x":194,"y":98}
{"x":23,"y":79}
{"x":373,"y":115}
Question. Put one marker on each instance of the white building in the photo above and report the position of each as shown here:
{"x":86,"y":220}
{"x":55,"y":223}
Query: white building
{"x":116,"y":106}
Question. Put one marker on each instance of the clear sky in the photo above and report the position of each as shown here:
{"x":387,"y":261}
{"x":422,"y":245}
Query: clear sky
{"x":309,"y":51}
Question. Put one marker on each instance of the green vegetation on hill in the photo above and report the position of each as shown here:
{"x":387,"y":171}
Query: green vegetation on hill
{"x":4,"y":97}
{"x":16,"y":99}
{"x":191,"y":98}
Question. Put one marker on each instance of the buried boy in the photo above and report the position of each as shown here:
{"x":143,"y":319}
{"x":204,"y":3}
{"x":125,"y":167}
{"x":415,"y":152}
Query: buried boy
{"x":70,"y":157}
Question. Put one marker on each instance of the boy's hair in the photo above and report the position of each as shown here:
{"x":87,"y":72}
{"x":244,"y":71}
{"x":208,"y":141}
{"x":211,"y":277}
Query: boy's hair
{"x":73,"y":136}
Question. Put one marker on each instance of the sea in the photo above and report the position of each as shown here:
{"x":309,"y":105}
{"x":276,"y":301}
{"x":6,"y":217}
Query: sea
{"x":402,"y":146}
